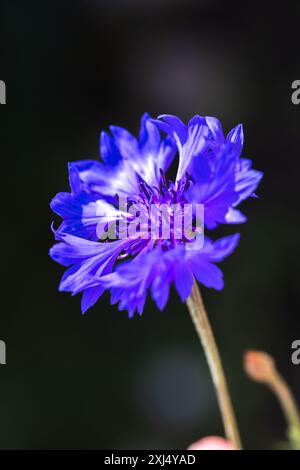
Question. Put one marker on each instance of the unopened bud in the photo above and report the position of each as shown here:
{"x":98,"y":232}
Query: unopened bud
{"x":259,"y":366}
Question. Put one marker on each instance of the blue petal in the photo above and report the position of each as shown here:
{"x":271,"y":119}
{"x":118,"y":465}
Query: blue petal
{"x":160,"y":291}
{"x":236,"y":136}
{"x":165,"y":155}
{"x":108,"y":150}
{"x":74,"y":179}
{"x":246,"y":183}
{"x":83,"y":214}
{"x":183,"y":280}
{"x":126,"y":143}
{"x":208,"y":274}
{"x":90,"y":297}
{"x":215,"y":128}
{"x":149,"y":139}
{"x":88,"y":260}
{"x":220,"y":249}
{"x":234,"y":216}
{"x":174,"y":125}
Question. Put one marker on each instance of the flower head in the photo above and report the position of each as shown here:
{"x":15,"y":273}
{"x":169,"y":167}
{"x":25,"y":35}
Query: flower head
{"x":129,"y":229}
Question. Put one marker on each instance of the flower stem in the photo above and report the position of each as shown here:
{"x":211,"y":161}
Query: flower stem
{"x":286,"y":399}
{"x":203,"y":328}
{"x":289,"y":408}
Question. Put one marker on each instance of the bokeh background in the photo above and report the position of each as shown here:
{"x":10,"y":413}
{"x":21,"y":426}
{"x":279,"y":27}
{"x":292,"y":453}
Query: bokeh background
{"x":71,"y":68}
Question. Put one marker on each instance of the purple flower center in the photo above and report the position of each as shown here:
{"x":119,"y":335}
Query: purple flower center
{"x":160,"y":216}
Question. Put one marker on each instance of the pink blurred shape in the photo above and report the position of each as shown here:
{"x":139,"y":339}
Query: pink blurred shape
{"x":212,"y":443}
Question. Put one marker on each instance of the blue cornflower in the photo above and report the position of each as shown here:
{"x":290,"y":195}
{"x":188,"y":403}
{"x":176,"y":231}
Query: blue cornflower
{"x":101,"y":252}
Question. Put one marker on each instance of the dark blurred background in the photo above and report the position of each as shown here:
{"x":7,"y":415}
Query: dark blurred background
{"x":72,"y":68}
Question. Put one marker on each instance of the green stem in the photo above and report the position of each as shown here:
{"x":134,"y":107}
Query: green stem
{"x":289,"y":407}
{"x":203,"y":328}
{"x":286,"y":399}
